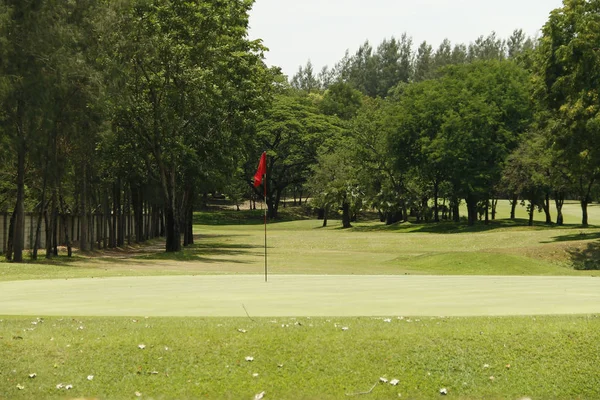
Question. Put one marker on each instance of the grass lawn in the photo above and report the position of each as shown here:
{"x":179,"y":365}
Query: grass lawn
{"x":303,"y":358}
{"x":232,"y":242}
{"x":404,"y":270}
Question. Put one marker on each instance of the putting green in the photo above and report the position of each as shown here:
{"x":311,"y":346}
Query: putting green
{"x":302,"y":295}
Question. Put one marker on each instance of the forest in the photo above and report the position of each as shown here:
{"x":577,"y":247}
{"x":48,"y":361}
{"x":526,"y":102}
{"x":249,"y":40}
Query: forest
{"x":130,"y":113}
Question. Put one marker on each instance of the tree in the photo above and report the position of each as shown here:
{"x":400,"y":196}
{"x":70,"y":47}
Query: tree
{"x":567,"y":69}
{"x":292,"y":131}
{"x":187,"y":78}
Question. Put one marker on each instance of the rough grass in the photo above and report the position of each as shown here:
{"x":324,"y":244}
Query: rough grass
{"x":473,"y":358}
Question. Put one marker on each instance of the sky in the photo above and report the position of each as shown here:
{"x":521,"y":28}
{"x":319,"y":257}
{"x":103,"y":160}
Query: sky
{"x":321,"y":30}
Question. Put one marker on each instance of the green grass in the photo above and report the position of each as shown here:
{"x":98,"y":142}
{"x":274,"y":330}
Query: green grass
{"x":302,"y":295}
{"x":548,"y":357}
{"x":232,"y":242}
{"x":313,"y":358}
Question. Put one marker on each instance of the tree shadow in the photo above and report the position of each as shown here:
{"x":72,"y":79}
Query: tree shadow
{"x":575,"y":237}
{"x":587,"y":258}
{"x":447,"y":227}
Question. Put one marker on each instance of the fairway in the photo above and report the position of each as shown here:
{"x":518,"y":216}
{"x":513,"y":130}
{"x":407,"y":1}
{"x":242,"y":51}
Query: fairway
{"x":306,"y":295}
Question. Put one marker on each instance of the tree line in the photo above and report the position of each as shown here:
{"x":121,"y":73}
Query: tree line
{"x":145,"y":106}
{"x":418,"y":132}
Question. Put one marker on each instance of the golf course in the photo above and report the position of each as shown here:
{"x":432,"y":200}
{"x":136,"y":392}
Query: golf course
{"x":404,"y":311}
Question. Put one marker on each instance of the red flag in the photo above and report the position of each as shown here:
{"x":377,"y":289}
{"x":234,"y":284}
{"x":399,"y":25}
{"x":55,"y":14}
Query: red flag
{"x":262,"y":169}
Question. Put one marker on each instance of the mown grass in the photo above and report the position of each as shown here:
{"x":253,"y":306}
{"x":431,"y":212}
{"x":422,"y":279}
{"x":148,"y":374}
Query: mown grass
{"x":492,"y":358}
{"x":227,"y":244}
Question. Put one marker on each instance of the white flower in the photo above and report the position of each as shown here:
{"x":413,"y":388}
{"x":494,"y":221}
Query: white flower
{"x":259,"y":396}
{"x":249,"y":358}
{"x":345,"y":328}
{"x":242,"y":330}
{"x":20,"y":387}
{"x":254,"y":375}
{"x":141,"y":346}
{"x":69,"y":387}
{"x":138,"y":394}
{"x":383,"y":380}
{"x":394,"y":382}
{"x":32,"y":375}
{"x":90,"y":377}
{"x":443,"y":391}
{"x":486,"y":365}
{"x":387,"y":320}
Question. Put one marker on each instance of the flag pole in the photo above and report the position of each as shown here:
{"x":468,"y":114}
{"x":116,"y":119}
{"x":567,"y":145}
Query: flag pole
{"x":265,"y":200}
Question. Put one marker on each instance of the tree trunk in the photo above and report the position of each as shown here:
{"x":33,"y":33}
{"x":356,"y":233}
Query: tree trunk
{"x":66,"y":229}
{"x":19,"y":228}
{"x":436,"y":189}
{"x":531,"y":211}
{"x":455,"y":207}
{"x":494,"y":208}
{"x":487,"y":212}
{"x":325,"y":213}
{"x":11,"y":232}
{"x":513,"y":206}
{"x":119,"y":219}
{"x":138,"y":213}
{"x":559,"y":201}
{"x":471,"y":209}
{"x":321,"y":213}
{"x":48,"y":223}
{"x":547,"y":209}
{"x":172,"y":230}
{"x":83,"y":236}
{"x":55,"y":231}
{"x":584,"y":212}
{"x":346,"y":215}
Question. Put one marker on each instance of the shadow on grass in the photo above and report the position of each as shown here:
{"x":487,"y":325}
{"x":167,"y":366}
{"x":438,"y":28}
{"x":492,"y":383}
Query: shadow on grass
{"x":587,"y":258}
{"x":246,"y":217}
{"x":207,"y":252}
{"x":581,"y":235}
{"x":447,"y":227}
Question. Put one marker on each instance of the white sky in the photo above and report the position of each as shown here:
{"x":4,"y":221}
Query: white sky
{"x":321,"y":30}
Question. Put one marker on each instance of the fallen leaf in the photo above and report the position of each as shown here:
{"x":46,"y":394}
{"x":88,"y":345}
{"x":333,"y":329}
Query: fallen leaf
{"x":443,"y":391}
{"x":32,"y":375}
{"x":492,"y":378}
{"x":90,"y":377}
{"x":345,"y":328}
{"x":138,"y":394}
{"x":60,"y":386}
{"x":259,"y":396}
{"x":279,"y":365}
{"x":249,"y":358}
{"x":141,"y":346}
{"x":507,"y":366}
{"x":383,"y":380}
{"x":69,"y":387}
{"x":254,"y":375}
{"x":394,"y":382}
{"x":387,"y":320}
{"x":242,"y":331}
{"x":20,"y":387}
{"x":486,"y":365}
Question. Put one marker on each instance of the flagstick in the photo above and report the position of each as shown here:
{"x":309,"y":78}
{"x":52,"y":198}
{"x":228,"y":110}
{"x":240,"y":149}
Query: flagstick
{"x":265,"y":199}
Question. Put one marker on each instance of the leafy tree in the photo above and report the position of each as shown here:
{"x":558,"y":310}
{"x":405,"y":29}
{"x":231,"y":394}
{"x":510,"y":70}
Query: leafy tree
{"x":188,"y":79}
{"x":292,"y":131}
{"x":567,"y":82}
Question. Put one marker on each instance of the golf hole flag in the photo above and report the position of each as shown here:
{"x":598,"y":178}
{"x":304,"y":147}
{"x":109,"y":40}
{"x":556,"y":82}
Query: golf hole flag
{"x":262,"y":169}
